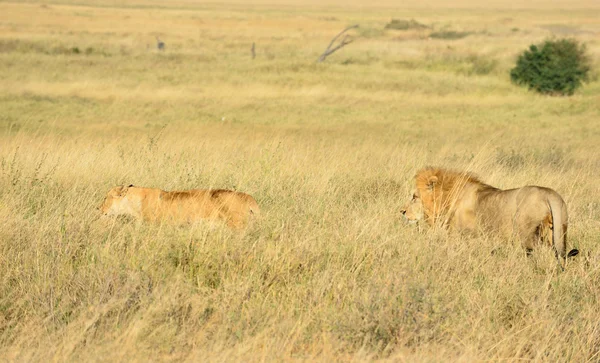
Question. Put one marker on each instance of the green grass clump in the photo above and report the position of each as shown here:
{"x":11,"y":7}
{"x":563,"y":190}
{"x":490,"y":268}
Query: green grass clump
{"x":449,"y":34}
{"x":402,"y":24}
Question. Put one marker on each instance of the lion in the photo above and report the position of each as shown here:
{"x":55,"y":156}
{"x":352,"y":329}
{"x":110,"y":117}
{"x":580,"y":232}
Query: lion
{"x":188,"y":206}
{"x":460,"y":201}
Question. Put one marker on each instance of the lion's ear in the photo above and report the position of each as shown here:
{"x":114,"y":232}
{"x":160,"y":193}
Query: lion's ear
{"x":130,"y":185}
{"x":123,"y":191}
{"x":432,"y":182}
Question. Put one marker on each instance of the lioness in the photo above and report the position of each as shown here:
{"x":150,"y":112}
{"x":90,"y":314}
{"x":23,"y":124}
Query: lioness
{"x":460,"y":201}
{"x":234,"y":208}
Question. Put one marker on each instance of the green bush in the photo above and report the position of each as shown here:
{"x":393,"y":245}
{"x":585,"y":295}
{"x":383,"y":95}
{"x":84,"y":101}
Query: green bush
{"x":556,"y":67}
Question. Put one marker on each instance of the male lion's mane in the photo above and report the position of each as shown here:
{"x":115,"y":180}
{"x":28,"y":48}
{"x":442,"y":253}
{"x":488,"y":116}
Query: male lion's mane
{"x":446,"y":186}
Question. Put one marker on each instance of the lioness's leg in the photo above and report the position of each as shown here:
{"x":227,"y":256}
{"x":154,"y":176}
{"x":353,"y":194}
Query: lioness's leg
{"x":236,"y":221}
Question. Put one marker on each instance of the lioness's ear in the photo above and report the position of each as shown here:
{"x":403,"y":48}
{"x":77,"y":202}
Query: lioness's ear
{"x":123,"y":191}
{"x":432,"y":182}
{"x":130,"y":185}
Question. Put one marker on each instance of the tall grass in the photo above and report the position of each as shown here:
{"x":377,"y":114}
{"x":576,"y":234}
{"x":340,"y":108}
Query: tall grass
{"x":329,"y":151}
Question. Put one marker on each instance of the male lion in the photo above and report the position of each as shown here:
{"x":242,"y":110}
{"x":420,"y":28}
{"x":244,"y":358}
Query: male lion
{"x":152,"y":204}
{"x":460,"y":201}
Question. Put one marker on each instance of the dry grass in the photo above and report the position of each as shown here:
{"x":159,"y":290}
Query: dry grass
{"x":328,"y":150}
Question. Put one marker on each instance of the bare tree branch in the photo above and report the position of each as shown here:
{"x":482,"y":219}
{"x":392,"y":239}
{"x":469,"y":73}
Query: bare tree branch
{"x":345,"y":41}
{"x":328,"y":52}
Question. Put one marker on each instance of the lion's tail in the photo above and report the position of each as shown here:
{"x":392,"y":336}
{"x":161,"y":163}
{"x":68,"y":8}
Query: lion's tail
{"x":559,"y":232}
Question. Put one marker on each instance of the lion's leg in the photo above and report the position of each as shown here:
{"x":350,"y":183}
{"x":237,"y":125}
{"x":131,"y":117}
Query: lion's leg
{"x":466,"y":223}
{"x":543,"y":232}
{"x":233,"y":219}
{"x":528,"y":236}
{"x":547,"y":228}
{"x":235,"y":222}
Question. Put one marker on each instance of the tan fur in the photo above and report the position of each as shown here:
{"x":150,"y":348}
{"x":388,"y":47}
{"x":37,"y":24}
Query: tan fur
{"x":460,"y":201}
{"x":233,"y":208}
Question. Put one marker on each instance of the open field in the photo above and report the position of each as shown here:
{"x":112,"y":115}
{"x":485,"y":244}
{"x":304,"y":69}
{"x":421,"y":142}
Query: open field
{"x":329,"y":150}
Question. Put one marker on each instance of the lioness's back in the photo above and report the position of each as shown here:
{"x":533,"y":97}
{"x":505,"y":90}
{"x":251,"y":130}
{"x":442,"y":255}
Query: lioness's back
{"x":235,"y":208}
{"x":231,"y":206}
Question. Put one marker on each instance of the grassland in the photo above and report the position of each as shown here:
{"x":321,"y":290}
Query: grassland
{"x":328,"y":150}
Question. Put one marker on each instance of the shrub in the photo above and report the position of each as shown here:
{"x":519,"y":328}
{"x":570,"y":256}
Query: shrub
{"x":401,"y":24}
{"x":556,"y":67}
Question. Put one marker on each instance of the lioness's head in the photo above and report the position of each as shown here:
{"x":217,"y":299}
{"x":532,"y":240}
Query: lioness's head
{"x":115,"y":202}
{"x":413,"y":210}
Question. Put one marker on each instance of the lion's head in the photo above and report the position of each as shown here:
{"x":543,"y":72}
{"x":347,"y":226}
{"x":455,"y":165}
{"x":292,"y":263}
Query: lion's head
{"x":116,"y":202}
{"x":435,"y":194}
{"x":413,"y":210}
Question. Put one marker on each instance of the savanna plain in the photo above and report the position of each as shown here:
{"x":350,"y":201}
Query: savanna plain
{"x":329,"y":150}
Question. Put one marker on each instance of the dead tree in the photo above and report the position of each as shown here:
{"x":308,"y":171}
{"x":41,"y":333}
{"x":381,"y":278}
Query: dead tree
{"x":345,"y":41}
